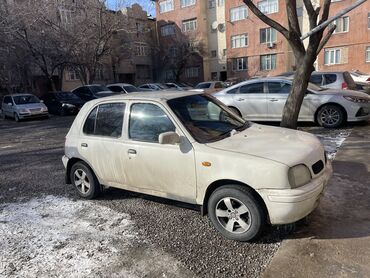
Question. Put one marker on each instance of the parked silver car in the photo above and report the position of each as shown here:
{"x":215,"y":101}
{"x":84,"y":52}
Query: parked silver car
{"x":264,"y":99}
{"x":23,"y":106}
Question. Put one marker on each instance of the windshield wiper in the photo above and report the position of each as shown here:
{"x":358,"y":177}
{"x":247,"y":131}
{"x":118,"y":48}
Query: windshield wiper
{"x":243,"y":126}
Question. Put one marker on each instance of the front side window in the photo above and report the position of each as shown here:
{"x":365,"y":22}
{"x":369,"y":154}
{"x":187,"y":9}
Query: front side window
{"x":240,"y":64}
{"x":239,"y":41}
{"x":238,"y":13}
{"x":189,"y":25}
{"x":147,"y":121}
{"x":166,"y":6}
{"x":268,"y":35}
{"x":105,"y":120}
{"x":255,"y":88}
{"x":332,"y":56}
{"x":278,"y":87}
{"x":206,"y":119}
{"x":268,"y":62}
{"x":268,"y":6}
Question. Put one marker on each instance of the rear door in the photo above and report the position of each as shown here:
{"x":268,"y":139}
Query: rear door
{"x":7,"y":109}
{"x":250,"y":99}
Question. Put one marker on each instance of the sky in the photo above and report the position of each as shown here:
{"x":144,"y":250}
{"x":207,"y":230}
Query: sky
{"x":147,"y":5}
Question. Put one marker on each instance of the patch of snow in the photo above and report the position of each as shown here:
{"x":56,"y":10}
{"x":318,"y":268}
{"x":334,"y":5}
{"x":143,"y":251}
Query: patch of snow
{"x":56,"y":236}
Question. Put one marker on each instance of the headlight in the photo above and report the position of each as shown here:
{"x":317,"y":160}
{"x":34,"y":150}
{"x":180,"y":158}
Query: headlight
{"x":68,"y":105}
{"x":299,"y":175}
{"x":357,"y":99}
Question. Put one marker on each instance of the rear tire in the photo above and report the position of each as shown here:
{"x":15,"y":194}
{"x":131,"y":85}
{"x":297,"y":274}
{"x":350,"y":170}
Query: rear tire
{"x":330,"y":116}
{"x":236,"y":213}
{"x":85,"y":181}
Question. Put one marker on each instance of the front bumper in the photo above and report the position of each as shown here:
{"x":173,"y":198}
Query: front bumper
{"x":290,"y":205}
{"x":33,"y":115}
{"x":359,"y":112}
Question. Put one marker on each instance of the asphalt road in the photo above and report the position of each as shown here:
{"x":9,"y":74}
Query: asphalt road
{"x":31,"y":167}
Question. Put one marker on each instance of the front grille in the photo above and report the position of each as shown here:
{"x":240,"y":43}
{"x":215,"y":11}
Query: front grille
{"x":35,"y":109}
{"x":317,"y":167}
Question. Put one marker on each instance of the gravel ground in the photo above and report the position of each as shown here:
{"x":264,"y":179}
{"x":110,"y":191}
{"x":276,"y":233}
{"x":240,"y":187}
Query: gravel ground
{"x":30,"y":167}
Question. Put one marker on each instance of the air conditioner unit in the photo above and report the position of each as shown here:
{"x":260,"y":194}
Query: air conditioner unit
{"x":270,"y":44}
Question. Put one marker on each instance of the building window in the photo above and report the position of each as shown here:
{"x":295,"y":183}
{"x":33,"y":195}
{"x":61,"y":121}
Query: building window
{"x":213,"y":53}
{"x":240,"y":64}
{"x":142,"y":50}
{"x":268,"y":62}
{"x":221,"y":3}
{"x":342,"y":24}
{"x":189,"y":25}
{"x":239,"y":41}
{"x":173,"y":51}
{"x":268,"y":6}
{"x":211,"y":4}
{"x":192,"y":72}
{"x":168,"y":30}
{"x":332,"y":56}
{"x":368,"y":20}
{"x":187,"y":3}
{"x":72,"y":75}
{"x":367,"y":54}
{"x":166,"y":6}
{"x":214,"y":75}
{"x":238,"y":13}
{"x":65,"y":16}
{"x":268,"y":35}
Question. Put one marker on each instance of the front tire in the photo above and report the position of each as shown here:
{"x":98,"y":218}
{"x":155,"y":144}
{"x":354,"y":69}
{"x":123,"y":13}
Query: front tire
{"x":16,"y":117}
{"x":85,"y":181}
{"x":236,"y":213}
{"x":330,"y":116}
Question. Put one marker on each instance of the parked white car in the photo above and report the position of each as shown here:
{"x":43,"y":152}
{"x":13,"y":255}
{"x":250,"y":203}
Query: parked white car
{"x":191,"y":148}
{"x":23,"y":106}
{"x":264,"y":99}
{"x":359,"y":76}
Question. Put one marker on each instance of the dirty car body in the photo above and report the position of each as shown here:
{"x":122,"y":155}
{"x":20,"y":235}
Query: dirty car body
{"x":190,"y":147}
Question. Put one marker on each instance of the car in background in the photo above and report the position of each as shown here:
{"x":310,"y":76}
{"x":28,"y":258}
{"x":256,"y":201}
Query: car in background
{"x":154,"y":87}
{"x":62,"y":103}
{"x":264,"y":99}
{"x":179,"y":86}
{"x":123,"y":88}
{"x":23,"y":106}
{"x":243,"y":175}
{"x":209,"y":86}
{"x":90,"y":92}
{"x":329,"y":79}
{"x":359,"y":76}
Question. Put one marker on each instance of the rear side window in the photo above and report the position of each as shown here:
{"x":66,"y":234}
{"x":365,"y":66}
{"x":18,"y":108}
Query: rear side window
{"x":255,"y":88}
{"x":330,"y":78}
{"x":105,"y":120}
{"x":316,"y":79}
{"x":278,"y":88}
{"x":8,"y":100}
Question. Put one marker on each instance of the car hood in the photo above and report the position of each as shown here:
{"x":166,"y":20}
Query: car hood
{"x":342,"y":92}
{"x":31,"y":105}
{"x":286,"y":146}
{"x":75,"y":102}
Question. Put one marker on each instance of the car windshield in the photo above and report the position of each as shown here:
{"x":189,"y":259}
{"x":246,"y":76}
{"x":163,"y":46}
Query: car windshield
{"x":314,"y":87}
{"x":25,"y":99}
{"x":203,"y":86}
{"x":99,"y":88}
{"x":66,"y":96}
{"x":161,"y":86}
{"x":130,"y":89}
{"x":206,"y":118}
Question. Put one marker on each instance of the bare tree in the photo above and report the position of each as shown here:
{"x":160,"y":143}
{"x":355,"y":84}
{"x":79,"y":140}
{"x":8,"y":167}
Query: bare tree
{"x":305,"y":57}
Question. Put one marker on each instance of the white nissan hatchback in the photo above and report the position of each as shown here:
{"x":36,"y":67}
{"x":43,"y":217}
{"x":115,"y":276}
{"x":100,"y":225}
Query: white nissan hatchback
{"x":190,"y":147}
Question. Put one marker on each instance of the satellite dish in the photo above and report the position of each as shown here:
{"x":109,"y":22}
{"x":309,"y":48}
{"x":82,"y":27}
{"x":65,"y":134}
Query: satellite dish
{"x":214,"y":25}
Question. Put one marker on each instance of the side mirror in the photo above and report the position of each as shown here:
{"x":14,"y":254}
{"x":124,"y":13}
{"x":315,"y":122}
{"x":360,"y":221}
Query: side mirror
{"x":169,"y":138}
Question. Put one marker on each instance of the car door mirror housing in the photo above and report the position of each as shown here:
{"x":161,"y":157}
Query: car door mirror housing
{"x":169,"y":138}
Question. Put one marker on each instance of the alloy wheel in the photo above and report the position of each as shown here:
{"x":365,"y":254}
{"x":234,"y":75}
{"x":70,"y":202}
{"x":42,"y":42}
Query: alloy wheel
{"x":330,"y":116}
{"x":81,"y":181}
{"x":233,"y":215}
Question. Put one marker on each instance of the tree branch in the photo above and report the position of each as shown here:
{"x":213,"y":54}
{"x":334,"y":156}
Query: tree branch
{"x":274,"y":24}
{"x":326,"y":38}
{"x":325,"y":11}
{"x":312,"y":13}
{"x":291,"y":9}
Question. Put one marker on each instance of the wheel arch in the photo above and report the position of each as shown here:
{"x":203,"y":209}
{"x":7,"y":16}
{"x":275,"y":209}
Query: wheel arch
{"x":73,"y":161}
{"x":334,"y":104}
{"x":219,"y":183}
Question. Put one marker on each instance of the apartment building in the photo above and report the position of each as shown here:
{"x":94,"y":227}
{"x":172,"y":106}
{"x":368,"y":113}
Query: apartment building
{"x":349,"y":46}
{"x":199,"y":24}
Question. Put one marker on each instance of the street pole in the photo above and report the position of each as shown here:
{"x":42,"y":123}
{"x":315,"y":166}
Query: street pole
{"x":331,"y":19}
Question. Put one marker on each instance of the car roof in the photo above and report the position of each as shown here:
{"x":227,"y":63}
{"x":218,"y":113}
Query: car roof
{"x":120,"y":84}
{"x":19,"y":94}
{"x":150,"y":96}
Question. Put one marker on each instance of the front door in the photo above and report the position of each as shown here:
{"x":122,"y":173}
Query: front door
{"x":250,"y":99}
{"x":163,"y":170}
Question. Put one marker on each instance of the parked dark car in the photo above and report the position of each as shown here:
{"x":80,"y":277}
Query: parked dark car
{"x":62,"y":103}
{"x":89,"y":92}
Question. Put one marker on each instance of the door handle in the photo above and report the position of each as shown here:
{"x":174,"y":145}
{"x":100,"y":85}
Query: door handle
{"x":131,"y":151}
{"x":240,"y":99}
{"x":273,"y":99}
{"x":84,"y":145}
